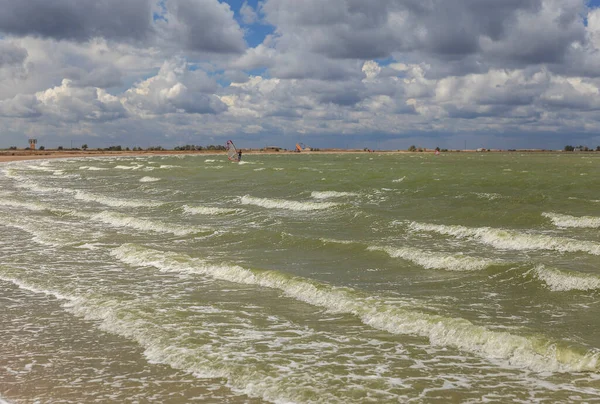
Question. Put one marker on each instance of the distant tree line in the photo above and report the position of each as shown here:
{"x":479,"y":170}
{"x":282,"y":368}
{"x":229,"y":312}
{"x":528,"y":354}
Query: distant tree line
{"x":414,"y":148}
{"x":580,"y":148}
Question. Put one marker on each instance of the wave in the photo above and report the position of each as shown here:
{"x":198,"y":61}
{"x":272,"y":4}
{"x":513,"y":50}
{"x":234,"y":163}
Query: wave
{"x":532,"y":352}
{"x":86,"y":196}
{"x":136,"y":167}
{"x":207,"y":210}
{"x":434,"y":260}
{"x":285,"y":204}
{"x":330,"y":194}
{"x":92,"y":168}
{"x":511,"y":240}
{"x":128,"y":319}
{"x":23,"y":205}
{"x":399,"y":179}
{"x":35,"y":187}
{"x":149,"y":179}
{"x":114,"y":202}
{"x":120,"y":220}
{"x":39,"y":168}
{"x":335,"y":241}
{"x":572,"y":221}
{"x":487,"y":195}
{"x":560,"y":281}
{"x":42,"y":231}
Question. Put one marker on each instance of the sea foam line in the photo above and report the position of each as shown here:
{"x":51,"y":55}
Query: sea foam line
{"x":207,"y":210}
{"x":511,"y":240}
{"x":535,"y":353}
{"x":572,"y":221}
{"x":434,"y":260}
{"x":120,"y":220}
{"x":117,"y":317}
{"x":330,"y":194}
{"x":114,"y":202}
{"x":285,"y":204}
{"x":561,"y":281}
{"x":149,"y":179}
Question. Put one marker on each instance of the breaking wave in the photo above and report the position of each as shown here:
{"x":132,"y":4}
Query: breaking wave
{"x":285,"y":204}
{"x":120,"y":220}
{"x":533,"y":352}
{"x":330,"y":194}
{"x":207,"y":210}
{"x":511,"y":240}
{"x":149,"y":179}
{"x":561,"y":281}
{"x":434,"y":260}
{"x":572,"y":221}
{"x":114,"y":202}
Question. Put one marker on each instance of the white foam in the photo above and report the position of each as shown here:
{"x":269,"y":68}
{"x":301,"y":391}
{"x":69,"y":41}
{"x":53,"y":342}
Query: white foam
{"x":39,"y":168}
{"x":525,"y":352}
{"x":433,"y":260}
{"x":330,"y":194}
{"x":115,"y":202}
{"x":511,"y":240}
{"x":23,"y":205}
{"x":560,"y":281}
{"x":149,"y":179}
{"x":399,"y":179}
{"x":572,"y":221}
{"x":119,"y":220}
{"x":285,"y":204}
{"x":487,"y":195}
{"x":136,"y":167}
{"x":207,"y":210}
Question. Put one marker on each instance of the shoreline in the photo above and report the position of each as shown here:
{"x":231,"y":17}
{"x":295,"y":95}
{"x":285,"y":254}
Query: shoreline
{"x":21,"y":155}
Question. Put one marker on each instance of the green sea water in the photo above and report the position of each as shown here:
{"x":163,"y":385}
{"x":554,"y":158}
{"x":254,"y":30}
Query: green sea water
{"x":301,"y":278}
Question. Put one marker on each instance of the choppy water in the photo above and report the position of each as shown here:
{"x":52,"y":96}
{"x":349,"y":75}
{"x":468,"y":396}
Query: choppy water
{"x":344,"y":278}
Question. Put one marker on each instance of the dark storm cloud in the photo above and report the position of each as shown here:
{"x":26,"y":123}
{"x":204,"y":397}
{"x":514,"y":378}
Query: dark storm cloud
{"x":205,"y":25}
{"x":496,"y":32}
{"x":77,"y":20}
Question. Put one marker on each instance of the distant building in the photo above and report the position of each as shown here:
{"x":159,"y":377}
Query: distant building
{"x":272,"y":148}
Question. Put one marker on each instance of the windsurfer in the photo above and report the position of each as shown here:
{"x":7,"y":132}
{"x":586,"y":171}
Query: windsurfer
{"x":239,"y":155}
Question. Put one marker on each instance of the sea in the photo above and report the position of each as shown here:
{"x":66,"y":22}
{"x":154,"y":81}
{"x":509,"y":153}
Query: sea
{"x":301,"y":278}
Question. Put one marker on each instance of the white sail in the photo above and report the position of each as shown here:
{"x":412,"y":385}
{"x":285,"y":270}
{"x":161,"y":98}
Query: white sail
{"x":232,"y":153}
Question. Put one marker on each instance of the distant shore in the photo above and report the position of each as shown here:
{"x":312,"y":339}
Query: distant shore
{"x":18,"y":155}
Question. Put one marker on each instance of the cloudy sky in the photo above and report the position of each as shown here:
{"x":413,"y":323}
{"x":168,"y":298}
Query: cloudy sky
{"x":383,"y":74}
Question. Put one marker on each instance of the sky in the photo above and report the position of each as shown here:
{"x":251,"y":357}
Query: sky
{"x":384,"y":74}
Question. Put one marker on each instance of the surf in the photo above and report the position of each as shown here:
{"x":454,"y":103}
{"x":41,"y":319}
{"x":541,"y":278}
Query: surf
{"x":532,"y":352}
